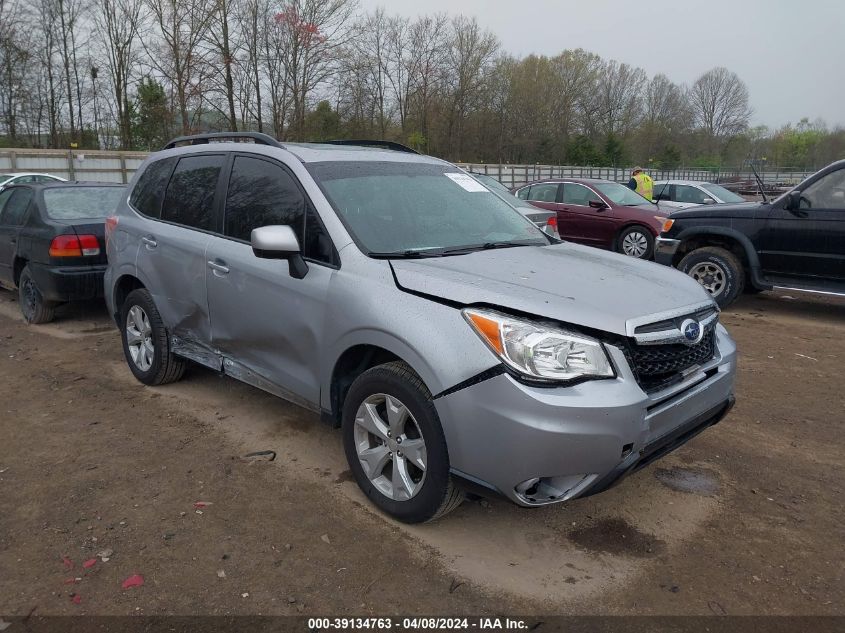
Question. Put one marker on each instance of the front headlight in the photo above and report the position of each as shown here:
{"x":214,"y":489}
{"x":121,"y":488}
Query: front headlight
{"x":540,"y":351}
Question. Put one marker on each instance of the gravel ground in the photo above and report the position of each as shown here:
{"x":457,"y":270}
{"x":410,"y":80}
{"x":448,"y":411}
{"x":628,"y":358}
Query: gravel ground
{"x":745,"y":519}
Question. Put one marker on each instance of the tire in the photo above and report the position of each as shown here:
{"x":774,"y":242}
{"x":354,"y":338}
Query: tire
{"x":148,"y":350}
{"x":719,"y":271}
{"x":34,"y":308}
{"x":418,"y":495}
{"x":636,"y":241}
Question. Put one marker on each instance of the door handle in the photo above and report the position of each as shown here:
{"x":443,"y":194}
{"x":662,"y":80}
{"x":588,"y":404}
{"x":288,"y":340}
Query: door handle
{"x":149,"y":242}
{"x":218,"y":267}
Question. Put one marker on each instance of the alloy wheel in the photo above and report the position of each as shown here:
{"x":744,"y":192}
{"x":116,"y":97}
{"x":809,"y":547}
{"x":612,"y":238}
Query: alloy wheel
{"x":390,"y":447}
{"x":139,"y":338}
{"x":711,"y":276}
{"x":635,"y":244}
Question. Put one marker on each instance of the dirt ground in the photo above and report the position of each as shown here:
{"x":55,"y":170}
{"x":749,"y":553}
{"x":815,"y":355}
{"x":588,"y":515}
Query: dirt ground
{"x":745,"y":519}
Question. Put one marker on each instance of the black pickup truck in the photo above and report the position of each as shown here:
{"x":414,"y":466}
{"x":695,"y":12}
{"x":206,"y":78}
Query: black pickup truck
{"x":796,"y":241}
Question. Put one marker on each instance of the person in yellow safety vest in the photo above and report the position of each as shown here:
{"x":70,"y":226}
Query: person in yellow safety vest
{"x":642,"y":183}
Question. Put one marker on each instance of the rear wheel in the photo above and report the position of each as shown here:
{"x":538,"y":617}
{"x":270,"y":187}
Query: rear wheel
{"x":395,"y":445}
{"x":146,"y":343}
{"x":636,"y":241}
{"x":718,"y":271}
{"x":33,"y":305}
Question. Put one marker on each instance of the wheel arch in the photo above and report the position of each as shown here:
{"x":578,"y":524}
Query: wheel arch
{"x":355,"y":360}
{"x":723,"y":237}
{"x":124,"y":284}
{"x":17,"y":268}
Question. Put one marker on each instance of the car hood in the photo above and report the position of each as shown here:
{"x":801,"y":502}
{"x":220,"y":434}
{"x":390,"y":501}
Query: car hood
{"x":721,"y":210}
{"x":566,"y":282}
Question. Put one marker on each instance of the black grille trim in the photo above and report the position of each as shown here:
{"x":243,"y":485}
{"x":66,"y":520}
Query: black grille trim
{"x":657,"y":367}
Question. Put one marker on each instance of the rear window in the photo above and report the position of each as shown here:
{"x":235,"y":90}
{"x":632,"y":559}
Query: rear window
{"x":75,"y":203}
{"x":148,"y":193}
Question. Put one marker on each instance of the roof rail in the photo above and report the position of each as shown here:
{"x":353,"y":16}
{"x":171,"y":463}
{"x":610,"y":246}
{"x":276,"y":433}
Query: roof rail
{"x":200,"y":139}
{"x":392,"y":145}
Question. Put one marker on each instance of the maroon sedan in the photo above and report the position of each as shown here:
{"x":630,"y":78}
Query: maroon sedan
{"x":599,"y":213}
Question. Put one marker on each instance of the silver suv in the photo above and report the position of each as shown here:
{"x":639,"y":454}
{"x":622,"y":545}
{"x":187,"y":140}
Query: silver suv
{"x":455,"y":344}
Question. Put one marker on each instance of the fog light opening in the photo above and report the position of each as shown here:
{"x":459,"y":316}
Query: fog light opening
{"x":543,"y":490}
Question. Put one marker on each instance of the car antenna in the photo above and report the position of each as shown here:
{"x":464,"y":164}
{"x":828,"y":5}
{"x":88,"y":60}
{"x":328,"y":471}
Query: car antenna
{"x":759,"y":181}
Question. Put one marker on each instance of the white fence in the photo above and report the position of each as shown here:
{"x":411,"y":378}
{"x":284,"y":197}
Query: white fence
{"x":73,"y":165}
{"x":516,"y":175}
{"x":119,"y":167}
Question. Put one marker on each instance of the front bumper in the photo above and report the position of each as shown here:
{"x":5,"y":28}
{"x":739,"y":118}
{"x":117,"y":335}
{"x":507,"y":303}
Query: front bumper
{"x":58,"y":283}
{"x":665,"y":249}
{"x":575,"y":441}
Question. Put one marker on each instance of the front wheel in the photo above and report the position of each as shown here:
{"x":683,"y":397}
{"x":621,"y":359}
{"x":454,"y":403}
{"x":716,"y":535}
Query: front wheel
{"x":719,"y":272}
{"x":636,"y":241}
{"x":395,"y":445}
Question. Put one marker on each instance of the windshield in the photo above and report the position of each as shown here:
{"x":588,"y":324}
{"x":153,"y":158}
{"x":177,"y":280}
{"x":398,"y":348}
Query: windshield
{"x":621,"y":195}
{"x":4,"y":178}
{"x":75,"y":203}
{"x":492,"y":183}
{"x":415,"y":207}
{"x":723,"y":194}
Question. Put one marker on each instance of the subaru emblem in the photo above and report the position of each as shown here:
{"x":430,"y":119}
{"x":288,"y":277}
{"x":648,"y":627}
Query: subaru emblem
{"x":692,"y":331}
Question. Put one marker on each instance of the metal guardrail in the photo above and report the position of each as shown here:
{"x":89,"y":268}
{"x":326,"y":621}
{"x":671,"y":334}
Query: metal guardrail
{"x":119,"y":166}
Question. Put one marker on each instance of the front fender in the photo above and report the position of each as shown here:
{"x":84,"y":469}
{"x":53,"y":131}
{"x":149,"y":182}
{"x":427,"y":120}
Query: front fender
{"x":742,"y":239}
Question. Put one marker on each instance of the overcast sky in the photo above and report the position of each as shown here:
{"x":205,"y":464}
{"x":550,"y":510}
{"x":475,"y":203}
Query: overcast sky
{"x":791,"y":54}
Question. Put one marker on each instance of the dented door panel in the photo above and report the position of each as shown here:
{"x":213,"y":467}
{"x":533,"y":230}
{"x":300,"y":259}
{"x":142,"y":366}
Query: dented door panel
{"x":173,"y":258}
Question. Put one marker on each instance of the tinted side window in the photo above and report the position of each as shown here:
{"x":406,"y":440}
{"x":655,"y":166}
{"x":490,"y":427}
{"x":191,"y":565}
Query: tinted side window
{"x":15,"y":208}
{"x":317,"y":244}
{"x":578,"y":194}
{"x":826,"y":193}
{"x":262,"y":193}
{"x":522,"y":194}
{"x":4,"y":198}
{"x":546,"y":192}
{"x":148,"y":193}
{"x":189,"y":199}
{"x":685,"y":193}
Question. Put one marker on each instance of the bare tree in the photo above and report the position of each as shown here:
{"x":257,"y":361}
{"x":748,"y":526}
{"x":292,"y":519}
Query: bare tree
{"x":220,"y":35}
{"x":719,"y":102}
{"x":314,"y":32}
{"x":428,"y":52}
{"x":470,"y":54}
{"x":119,"y":25}
{"x":252,"y":17}
{"x":619,"y":88}
{"x":370,"y":46}
{"x":182,"y":25}
{"x":14,"y":57}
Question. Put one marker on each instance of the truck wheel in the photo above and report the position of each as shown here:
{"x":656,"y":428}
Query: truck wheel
{"x":395,"y":445}
{"x":34,"y":307}
{"x":718,"y":271}
{"x":146,"y":343}
{"x":636,"y":241}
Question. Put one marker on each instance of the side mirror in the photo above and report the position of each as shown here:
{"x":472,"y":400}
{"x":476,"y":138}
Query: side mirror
{"x":708,"y":201}
{"x":792,"y":201}
{"x":598,"y":204}
{"x":279,"y":242}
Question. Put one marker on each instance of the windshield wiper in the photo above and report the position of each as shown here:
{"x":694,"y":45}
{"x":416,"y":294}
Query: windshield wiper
{"x":488,"y":246}
{"x":406,"y":254}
